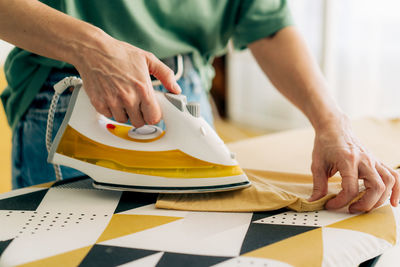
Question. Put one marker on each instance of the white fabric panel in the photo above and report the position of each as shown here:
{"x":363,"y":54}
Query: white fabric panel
{"x":18,"y":192}
{"x":359,"y":247}
{"x":253,"y":262}
{"x":76,"y":216}
{"x":13,"y":221}
{"x":148,"y":261}
{"x":151,"y":210}
{"x":312,"y":218}
{"x":79,"y":200}
{"x":199,"y":233}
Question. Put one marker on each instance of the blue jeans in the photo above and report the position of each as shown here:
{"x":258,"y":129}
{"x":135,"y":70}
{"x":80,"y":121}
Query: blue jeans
{"x":29,"y":154}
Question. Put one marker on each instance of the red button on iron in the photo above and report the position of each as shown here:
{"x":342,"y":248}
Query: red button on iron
{"x":110,"y":126}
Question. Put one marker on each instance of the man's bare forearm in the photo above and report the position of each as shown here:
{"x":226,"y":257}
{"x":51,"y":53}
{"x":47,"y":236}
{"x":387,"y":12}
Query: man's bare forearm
{"x":116,"y":74}
{"x":40,"y":29}
{"x":286,"y":60}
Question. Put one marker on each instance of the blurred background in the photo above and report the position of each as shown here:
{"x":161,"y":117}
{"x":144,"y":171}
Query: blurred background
{"x":356,"y":43}
{"x":5,"y":132}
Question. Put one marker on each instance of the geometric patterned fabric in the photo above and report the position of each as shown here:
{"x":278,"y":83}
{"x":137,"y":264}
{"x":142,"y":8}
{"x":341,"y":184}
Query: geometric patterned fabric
{"x":73,"y":224}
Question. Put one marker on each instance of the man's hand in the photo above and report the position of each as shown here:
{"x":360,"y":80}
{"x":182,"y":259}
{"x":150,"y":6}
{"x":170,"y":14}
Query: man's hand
{"x":117,"y":80}
{"x":337,"y":150}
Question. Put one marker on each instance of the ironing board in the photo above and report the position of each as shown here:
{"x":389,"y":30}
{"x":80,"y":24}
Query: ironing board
{"x":70,"y":223}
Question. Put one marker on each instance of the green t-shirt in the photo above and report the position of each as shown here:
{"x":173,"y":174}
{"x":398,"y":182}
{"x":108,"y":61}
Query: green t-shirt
{"x":163,"y":27}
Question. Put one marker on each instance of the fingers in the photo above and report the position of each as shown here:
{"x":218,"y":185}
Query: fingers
{"x":150,"y":108}
{"x":320,"y":182}
{"x":134,"y":112}
{"x":349,"y":190}
{"x":118,"y":112}
{"x":142,"y":107}
{"x":338,"y":148}
{"x":395,"y":198}
{"x":375,"y":188}
{"x":101,"y":107}
{"x":388,"y":180}
{"x":163,"y":73}
{"x":98,"y":102}
{"x":122,"y":88}
{"x":141,"y":104}
{"x":114,"y":100}
{"x":380,"y":181}
{"x":121,"y":103}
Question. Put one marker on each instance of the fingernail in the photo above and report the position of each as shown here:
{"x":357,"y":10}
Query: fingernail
{"x":178,"y":88}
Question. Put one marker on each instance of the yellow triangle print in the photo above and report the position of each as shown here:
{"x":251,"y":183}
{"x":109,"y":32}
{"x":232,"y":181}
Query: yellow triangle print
{"x":123,"y":224}
{"x":300,"y":250}
{"x":379,"y":223}
{"x":70,"y":258}
{"x":45,"y":185}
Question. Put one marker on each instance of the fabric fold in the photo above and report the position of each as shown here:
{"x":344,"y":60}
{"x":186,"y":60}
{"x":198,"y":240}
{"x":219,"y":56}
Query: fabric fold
{"x":269,"y":191}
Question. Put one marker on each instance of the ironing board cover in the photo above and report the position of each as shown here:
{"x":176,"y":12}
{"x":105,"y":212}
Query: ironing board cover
{"x":71,"y":223}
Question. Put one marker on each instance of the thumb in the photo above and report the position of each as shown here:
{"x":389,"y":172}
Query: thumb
{"x":162,"y":72}
{"x":320,"y":184}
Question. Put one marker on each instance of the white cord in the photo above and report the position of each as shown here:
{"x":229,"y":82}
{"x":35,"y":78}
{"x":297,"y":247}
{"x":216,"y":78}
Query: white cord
{"x":59,"y":88}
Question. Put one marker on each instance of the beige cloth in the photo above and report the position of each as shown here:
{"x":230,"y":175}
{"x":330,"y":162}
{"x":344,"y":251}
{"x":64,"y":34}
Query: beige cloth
{"x":269,"y":191}
{"x":280,"y":173}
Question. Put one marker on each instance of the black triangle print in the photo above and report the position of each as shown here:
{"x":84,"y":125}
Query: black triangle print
{"x":370,"y":262}
{"x":101,"y":255}
{"x":264,"y":214}
{"x":176,"y":259}
{"x":133,"y":200}
{"x":260,"y":235}
{"x":29,"y":201}
{"x":70,"y":180}
{"x":4,"y":245}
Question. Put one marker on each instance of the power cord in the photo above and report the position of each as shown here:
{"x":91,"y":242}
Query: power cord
{"x":59,"y":88}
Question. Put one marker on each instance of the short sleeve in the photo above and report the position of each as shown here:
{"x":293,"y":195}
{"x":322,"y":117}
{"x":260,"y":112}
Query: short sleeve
{"x":258,"y":19}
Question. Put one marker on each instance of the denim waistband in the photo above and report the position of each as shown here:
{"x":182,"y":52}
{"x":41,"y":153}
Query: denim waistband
{"x":171,"y":62}
{"x":58,"y":74}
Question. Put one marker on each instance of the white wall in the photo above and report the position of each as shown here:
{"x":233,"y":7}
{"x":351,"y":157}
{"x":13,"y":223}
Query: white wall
{"x":357,"y":44}
{"x":252,"y":99}
{"x":5,"y":48}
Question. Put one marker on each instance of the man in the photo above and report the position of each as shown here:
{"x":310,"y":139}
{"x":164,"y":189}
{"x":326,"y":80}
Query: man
{"x":116,"y":61}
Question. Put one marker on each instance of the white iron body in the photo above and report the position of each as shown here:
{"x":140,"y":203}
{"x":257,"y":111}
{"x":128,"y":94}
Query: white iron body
{"x":184,"y":132}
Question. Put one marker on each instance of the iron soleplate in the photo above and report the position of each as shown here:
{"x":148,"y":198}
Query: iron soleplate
{"x":172,"y":190}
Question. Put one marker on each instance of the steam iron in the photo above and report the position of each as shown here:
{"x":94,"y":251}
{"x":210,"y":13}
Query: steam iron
{"x":187,"y":157}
